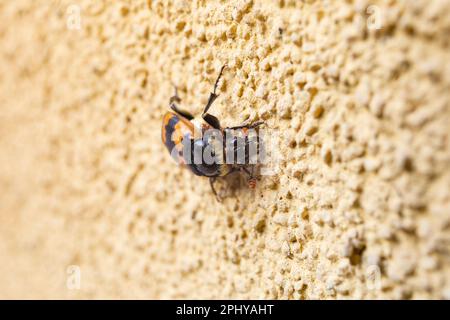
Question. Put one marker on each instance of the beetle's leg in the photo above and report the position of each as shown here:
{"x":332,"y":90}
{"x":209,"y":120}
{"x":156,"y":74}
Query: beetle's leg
{"x":249,"y":126}
{"x":256,"y":124}
{"x":233,"y":170}
{"x":213,"y":96}
{"x":251,"y":178}
{"x":250,"y":175}
{"x":211,"y":182}
{"x":173,"y":104}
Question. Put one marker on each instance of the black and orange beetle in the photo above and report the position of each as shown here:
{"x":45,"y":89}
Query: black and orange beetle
{"x":230,"y":149}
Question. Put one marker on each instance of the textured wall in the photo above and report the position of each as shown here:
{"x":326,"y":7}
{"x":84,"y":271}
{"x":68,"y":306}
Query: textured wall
{"x":87,"y":186}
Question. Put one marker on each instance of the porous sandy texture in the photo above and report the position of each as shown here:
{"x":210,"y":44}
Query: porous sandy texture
{"x":359,"y":209}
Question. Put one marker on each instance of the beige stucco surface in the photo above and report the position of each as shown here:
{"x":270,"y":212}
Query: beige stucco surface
{"x":359,"y":209}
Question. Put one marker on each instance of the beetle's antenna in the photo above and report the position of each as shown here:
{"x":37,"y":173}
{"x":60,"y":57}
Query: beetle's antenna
{"x":218,"y":78}
{"x":213,"y":96}
{"x":175,"y":98}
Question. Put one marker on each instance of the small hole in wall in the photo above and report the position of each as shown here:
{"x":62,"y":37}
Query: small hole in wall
{"x":356,"y":257}
{"x":230,"y":222}
{"x":124,"y":11}
{"x":305,"y":215}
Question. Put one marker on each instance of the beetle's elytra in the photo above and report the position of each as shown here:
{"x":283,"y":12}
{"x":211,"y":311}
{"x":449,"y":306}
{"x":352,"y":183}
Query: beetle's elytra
{"x":206,"y":148}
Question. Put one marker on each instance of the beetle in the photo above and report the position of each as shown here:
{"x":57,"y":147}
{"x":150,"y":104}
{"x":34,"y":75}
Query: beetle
{"x":185,"y":137}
